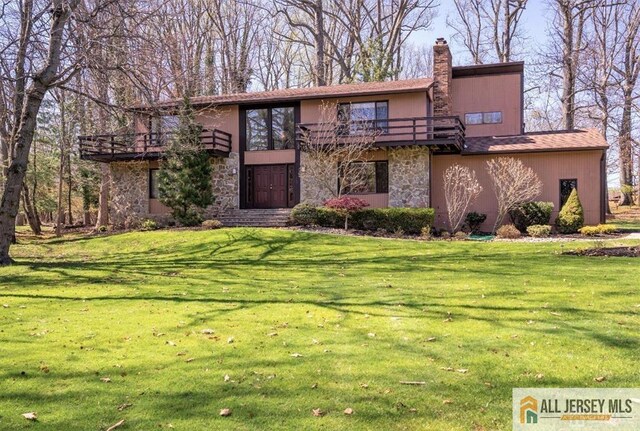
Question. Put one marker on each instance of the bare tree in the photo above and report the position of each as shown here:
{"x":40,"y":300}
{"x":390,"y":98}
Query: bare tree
{"x":469,"y":27}
{"x":460,"y":189}
{"x":513,"y":183}
{"x":333,"y":152}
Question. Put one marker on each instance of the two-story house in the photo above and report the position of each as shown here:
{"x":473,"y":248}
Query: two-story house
{"x":465,"y":115}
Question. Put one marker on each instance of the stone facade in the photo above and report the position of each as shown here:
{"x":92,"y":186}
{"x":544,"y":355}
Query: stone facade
{"x":311,"y":191}
{"x":225,"y":182}
{"x":129,"y":193}
{"x":442,"y":78}
{"x":409,"y":177}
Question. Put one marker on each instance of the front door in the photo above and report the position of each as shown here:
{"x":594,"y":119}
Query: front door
{"x":270,"y":186}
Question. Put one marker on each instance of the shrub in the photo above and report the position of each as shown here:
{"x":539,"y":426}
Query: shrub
{"x":328,"y":217}
{"x":426,"y":232}
{"x":102,"y":228}
{"x":445,"y":235}
{"x":601,"y":229}
{"x":539,"y":230}
{"x":531,"y":213}
{"x":508,"y":231}
{"x":304,"y":215}
{"x":370,"y":219}
{"x":346,"y":205}
{"x":474,"y":220}
{"x":410,"y":220}
{"x":148,"y":224}
{"x":571,"y":216}
{"x":460,"y":235}
{"x":212,"y":224}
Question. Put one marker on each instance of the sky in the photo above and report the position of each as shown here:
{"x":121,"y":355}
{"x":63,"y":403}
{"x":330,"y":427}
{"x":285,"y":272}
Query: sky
{"x":534,"y":23}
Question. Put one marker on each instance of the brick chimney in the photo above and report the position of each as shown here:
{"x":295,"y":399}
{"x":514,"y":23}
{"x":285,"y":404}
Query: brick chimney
{"x":441,"y":78}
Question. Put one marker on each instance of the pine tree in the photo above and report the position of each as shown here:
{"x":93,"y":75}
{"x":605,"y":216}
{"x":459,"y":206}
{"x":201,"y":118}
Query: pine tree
{"x":571,"y":216}
{"x":185,"y":171}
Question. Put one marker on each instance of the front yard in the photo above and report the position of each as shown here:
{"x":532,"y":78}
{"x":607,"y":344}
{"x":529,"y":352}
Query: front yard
{"x":164,"y":329}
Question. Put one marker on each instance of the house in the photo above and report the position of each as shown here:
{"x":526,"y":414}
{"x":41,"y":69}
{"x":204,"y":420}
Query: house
{"x":465,"y":115}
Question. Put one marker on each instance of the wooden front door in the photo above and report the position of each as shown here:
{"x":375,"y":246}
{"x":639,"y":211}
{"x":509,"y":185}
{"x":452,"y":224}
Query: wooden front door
{"x":270,"y":186}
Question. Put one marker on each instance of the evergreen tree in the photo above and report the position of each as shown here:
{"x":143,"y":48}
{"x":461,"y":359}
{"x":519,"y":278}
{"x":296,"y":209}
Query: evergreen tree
{"x":571,"y":216}
{"x":185,"y":172}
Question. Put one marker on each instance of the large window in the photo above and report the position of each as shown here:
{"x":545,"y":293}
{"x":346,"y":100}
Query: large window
{"x":566,"y":187}
{"x":270,"y":128}
{"x":474,"y":118}
{"x":164,"y":124}
{"x":363,"y":116}
{"x":370,"y":177}
{"x":154,"y":190}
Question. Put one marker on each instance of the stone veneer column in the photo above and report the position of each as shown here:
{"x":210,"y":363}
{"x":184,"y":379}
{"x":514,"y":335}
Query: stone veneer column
{"x":442,"y":78}
{"x":409,"y":177}
{"x":129,"y":193}
{"x":310,"y":191}
{"x":225,"y":184}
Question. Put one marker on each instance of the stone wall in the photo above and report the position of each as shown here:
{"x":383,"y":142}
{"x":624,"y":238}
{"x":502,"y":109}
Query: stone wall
{"x":409,"y":177}
{"x":225,"y":184}
{"x":129,"y":193}
{"x":311,"y":190}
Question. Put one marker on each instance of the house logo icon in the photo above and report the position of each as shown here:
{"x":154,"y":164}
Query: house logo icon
{"x":528,"y":410}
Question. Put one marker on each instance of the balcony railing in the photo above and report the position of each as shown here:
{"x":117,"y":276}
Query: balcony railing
{"x":443,"y":134}
{"x":144,"y":146}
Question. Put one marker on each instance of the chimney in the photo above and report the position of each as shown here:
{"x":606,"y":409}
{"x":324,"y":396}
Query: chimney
{"x":441,"y":78}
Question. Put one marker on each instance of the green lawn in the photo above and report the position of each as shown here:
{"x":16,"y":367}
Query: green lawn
{"x":361,"y":313}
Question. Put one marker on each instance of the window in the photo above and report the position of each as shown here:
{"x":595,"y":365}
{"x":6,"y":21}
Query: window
{"x":372,"y":178}
{"x":566,"y":187}
{"x":154,"y":190}
{"x":483,"y":118}
{"x":363,"y":116}
{"x":270,"y":128}
{"x":164,"y":123}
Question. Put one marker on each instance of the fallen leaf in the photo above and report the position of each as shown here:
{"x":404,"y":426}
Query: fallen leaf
{"x":539,"y":376}
{"x":296,"y":355}
{"x":227,"y":378}
{"x":430,"y":339}
{"x":190,"y":360}
{"x":413,"y":383}
{"x":121,"y":407}
{"x":447,"y":402}
{"x":446,"y":368}
{"x":105,"y":380}
{"x":348,"y":411}
{"x":207,"y":331}
{"x":318,"y":412}
{"x":116,"y":425}
{"x":553,"y":313}
{"x":5,"y":305}
{"x":181,"y":353}
{"x":230,"y":340}
{"x":462,"y":370}
{"x":364,"y":385}
{"x":371,"y":335}
{"x":171,"y":343}
{"x":314,"y":386}
{"x":600,"y":379}
{"x":272,"y":334}
{"x":225,"y":412}
{"x":32,"y":416}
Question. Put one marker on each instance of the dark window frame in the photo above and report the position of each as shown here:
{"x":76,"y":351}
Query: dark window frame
{"x":381,"y":177}
{"x":151,"y":193}
{"x":575,"y":186}
{"x":344,"y":121}
{"x":270,"y":141}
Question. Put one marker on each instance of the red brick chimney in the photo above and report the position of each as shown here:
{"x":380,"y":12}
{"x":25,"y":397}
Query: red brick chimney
{"x":441,"y":78}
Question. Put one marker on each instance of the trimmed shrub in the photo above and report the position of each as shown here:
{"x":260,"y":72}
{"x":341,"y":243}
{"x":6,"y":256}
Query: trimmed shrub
{"x":460,"y":236}
{"x":212,"y":224}
{"x":539,"y":230}
{"x":508,"y":231}
{"x":369,"y":219}
{"x":409,"y":220}
{"x":474,"y":220}
{"x":601,"y":229}
{"x":530,"y":214}
{"x":571,"y":216}
{"x":148,"y":224}
{"x":328,"y":217}
{"x":304,"y":215}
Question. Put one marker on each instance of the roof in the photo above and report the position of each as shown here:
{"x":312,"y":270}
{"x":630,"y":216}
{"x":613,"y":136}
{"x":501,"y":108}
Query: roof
{"x":294,"y":94}
{"x":567,"y":140}
{"x":488,"y":69}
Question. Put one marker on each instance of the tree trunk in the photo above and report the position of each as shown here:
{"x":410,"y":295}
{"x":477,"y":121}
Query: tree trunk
{"x":30,"y":211}
{"x":103,"y":206}
{"x":626,"y":152}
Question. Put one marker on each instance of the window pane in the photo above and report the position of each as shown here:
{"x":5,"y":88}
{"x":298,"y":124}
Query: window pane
{"x":492,"y":117}
{"x":361,"y":178}
{"x":154,"y":190}
{"x":257,"y":132}
{"x":362,"y":116}
{"x":382,"y":177}
{"x":382,"y":113}
{"x":283,"y":131}
{"x":473,"y":118}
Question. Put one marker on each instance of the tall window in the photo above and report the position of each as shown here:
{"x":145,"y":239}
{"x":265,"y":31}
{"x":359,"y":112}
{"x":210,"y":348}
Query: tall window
{"x":362,"y":116}
{"x":566,"y":187}
{"x":374,"y":179}
{"x":154,"y":190}
{"x":270,"y":128}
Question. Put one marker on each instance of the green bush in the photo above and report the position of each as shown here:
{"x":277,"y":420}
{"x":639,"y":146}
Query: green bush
{"x":539,"y":230}
{"x":571,"y":217}
{"x":474,"y":220}
{"x":212,"y":224}
{"x":601,"y":229}
{"x":409,"y":220}
{"x":369,"y":219}
{"x":328,"y":217}
{"x":148,"y":224}
{"x":508,"y":231}
{"x":530,"y":214}
{"x":304,"y":215}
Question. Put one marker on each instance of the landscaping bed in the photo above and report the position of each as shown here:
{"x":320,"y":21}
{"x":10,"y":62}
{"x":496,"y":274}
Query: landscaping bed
{"x":607,"y":251}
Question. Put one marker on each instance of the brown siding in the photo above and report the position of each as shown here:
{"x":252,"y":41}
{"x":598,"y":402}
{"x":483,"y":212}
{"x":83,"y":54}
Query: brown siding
{"x":486,"y":94}
{"x":375,"y":200}
{"x":269,"y":157}
{"x":550,"y":167}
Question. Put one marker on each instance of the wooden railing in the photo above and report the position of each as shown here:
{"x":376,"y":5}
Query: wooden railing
{"x":445,"y":134}
{"x":145,"y":145}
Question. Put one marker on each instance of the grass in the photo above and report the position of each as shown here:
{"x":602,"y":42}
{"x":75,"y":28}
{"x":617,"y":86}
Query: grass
{"x":626,"y":218}
{"x":361,"y":311}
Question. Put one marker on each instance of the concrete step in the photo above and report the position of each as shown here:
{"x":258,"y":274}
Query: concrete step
{"x":255,"y":217}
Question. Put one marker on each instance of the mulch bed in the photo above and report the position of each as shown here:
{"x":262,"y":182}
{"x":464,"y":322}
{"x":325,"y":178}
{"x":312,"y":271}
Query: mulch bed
{"x":607,"y":251}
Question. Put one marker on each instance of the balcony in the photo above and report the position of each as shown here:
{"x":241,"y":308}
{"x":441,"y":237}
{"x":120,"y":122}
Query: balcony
{"x":145,"y":146}
{"x":442,"y":134}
